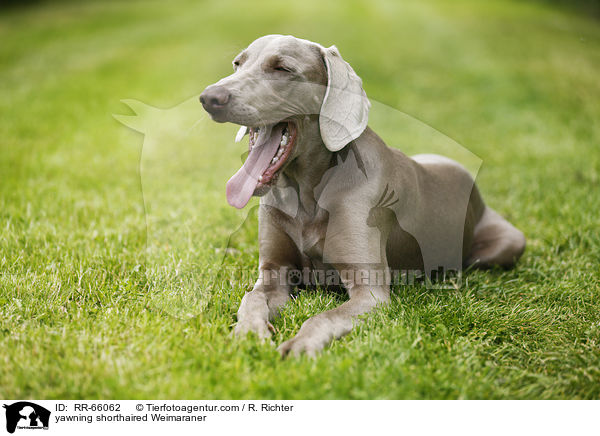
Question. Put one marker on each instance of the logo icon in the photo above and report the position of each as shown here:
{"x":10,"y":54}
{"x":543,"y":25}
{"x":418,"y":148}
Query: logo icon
{"x":26,"y":415}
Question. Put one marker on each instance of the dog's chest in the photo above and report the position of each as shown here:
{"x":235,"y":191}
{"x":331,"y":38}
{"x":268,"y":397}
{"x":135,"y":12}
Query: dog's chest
{"x":312,"y":234}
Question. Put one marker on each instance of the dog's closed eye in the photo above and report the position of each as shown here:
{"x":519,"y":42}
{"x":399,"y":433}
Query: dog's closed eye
{"x":276,"y":63}
{"x":239,"y":60}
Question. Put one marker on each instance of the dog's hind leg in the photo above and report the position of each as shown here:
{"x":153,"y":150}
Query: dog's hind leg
{"x":496,"y":242}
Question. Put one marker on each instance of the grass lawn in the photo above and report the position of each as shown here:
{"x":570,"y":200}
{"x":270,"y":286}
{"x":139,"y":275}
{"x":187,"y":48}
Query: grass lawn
{"x":85,"y":258}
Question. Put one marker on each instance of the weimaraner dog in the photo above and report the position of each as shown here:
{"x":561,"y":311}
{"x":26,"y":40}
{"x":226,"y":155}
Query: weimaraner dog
{"x":338,"y":206}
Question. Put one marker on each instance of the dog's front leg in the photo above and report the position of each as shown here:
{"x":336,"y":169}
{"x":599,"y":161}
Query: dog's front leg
{"x":355,"y":246}
{"x":278,"y":255}
{"x":318,"y":331}
{"x":262,"y":304}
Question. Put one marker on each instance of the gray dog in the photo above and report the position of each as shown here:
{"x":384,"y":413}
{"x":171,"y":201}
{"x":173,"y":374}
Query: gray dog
{"x":337,"y":204}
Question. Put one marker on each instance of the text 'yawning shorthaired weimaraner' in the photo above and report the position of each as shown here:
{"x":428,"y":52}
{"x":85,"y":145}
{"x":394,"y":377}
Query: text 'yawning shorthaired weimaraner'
{"x":339,"y":207}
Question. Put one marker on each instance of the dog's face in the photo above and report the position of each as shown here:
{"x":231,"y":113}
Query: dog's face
{"x":275,"y":78}
{"x":277,"y":82}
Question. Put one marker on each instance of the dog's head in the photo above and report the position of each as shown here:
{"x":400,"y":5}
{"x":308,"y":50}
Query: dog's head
{"x":278,"y":81}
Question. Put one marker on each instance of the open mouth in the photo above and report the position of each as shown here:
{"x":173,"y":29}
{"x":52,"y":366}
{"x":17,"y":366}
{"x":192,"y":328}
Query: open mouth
{"x":288,"y":136}
{"x":269,"y":148}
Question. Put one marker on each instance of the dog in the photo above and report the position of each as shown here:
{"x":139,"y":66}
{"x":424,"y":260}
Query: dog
{"x":335,"y":197}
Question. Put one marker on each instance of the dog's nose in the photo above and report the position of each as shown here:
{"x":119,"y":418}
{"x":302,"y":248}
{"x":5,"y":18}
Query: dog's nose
{"x":214,"y":98}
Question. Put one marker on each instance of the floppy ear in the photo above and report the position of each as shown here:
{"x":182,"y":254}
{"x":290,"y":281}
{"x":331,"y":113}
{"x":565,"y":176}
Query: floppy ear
{"x":345,"y":109}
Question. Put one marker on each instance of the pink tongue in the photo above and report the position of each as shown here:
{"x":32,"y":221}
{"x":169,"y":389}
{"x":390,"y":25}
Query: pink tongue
{"x":243,"y":183}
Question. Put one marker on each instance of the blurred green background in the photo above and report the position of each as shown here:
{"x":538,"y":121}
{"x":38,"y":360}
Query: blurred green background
{"x":514,"y":82}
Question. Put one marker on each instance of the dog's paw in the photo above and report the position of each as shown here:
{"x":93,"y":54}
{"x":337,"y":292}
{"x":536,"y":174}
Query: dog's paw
{"x":301,"y":344}
{"x":263,"y":329}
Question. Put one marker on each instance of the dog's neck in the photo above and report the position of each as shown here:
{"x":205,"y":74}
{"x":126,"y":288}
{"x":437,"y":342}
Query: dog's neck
{"x":313,"y":159}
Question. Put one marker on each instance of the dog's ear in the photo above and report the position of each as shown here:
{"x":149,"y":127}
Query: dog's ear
{"x":345,"y":109}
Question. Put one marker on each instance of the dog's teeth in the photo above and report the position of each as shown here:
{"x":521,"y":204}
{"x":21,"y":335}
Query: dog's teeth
{"x":259,"y":178}
{"x":241,"y":133}
{"x":280,"y":152}
{"x":274,"y":160}
{"x":284,"y":141}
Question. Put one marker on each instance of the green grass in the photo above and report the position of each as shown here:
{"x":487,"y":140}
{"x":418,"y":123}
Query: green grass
{"x":81,"y":309}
